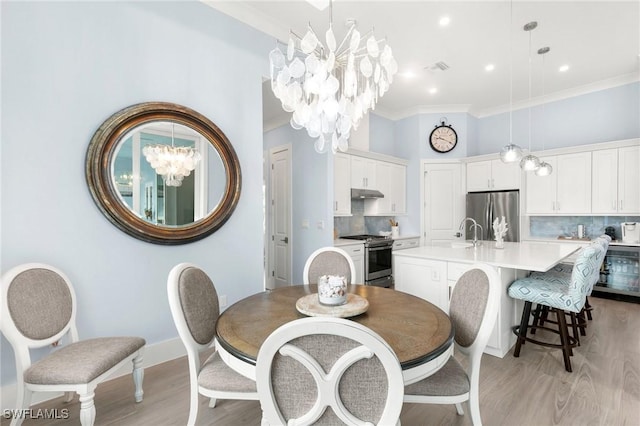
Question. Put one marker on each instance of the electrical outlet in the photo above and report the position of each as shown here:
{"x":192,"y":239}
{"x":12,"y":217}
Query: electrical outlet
{"x":222,"y":300}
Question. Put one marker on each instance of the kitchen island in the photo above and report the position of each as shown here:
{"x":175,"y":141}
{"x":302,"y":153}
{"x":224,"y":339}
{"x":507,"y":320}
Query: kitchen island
{"x":431,"y":272}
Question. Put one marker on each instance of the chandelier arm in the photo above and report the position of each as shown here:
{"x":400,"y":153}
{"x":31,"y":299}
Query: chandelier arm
{"x":344,"y":40}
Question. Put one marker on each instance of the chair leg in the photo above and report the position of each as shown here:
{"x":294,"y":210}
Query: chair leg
{"x":574,"y":326}
{"x":23,"y":402}
{"x":588,"y":308}
{"x":474,"y":407}
{"x":459,"y":409}
{"x":564,"y":339}
{"x":138,"y":376}
{"x":537,"y":318}
{"x":212,"y":402}
{"x":522,"y":330}
{"x":87,"y":409}
{"x":68,"y":396}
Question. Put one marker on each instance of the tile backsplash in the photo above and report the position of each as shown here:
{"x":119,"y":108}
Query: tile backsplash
{"x":359,"y":223}
{"x":554,"y":226}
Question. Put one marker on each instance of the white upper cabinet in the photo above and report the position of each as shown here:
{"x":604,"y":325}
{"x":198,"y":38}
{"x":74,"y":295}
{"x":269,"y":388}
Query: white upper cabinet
{"x":566,"y":191}
{"x":341,"y":184}
{"x":492,"y":175}
{"x":391,"y":181}
{"x":616,"y":181}
{"x":363,"y":173}
{"x":629,"y":180}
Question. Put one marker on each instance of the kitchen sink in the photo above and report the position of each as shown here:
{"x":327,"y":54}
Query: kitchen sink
{"x":461,"y":244}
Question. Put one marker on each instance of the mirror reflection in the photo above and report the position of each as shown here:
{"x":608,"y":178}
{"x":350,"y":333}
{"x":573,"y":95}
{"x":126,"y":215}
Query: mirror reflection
{"x":157,"y":196}
{"x":163,"y":173}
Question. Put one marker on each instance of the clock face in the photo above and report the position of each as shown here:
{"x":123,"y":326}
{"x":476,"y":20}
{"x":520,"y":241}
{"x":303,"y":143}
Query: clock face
{"x":443,"y":139}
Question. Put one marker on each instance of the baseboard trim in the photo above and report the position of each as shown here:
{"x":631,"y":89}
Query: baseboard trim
{"x":154,"y":354}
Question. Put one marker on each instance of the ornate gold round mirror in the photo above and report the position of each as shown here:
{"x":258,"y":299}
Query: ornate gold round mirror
{"x":163,"y":173}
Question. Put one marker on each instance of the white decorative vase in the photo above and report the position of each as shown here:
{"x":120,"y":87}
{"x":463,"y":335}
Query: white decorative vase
{"x":499,"y":243}
{"x":332,"y":290}
{"x":395,"y":232}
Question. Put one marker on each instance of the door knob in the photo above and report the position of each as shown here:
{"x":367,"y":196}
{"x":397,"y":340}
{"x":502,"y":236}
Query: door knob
{"x":285,"y":240}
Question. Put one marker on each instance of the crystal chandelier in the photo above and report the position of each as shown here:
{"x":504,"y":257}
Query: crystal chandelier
{"x":329,"y":88}
{"x":173,"y":163}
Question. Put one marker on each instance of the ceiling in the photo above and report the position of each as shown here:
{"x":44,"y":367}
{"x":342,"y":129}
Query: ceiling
{"x":598,"y":40}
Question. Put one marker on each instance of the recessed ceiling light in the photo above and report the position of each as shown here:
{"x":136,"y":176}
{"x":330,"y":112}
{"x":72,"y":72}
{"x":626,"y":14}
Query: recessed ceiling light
{"x":564,"y":68}
{"x":408,"y":74}
{"x":489,"y":67}
{"x":444,"y":21}
{"x":433,"y":90}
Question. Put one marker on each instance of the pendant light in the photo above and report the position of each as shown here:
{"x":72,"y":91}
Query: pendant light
{"x":530,"y":163}
{"x":511,"y":152}
{"x":545,"y":168}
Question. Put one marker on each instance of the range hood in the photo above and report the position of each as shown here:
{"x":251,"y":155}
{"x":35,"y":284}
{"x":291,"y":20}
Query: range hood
{"x":365,"y":193}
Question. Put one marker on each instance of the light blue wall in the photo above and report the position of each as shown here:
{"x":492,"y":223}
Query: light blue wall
{"x":601,"y":116}
{"x":66,"y":67}
{"x":381,"y":135}
{"x":311,"y":194}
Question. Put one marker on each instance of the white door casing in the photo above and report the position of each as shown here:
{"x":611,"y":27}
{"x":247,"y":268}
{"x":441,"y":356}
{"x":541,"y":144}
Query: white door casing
{"x":443,"y":201}
{"x":279,"y":273}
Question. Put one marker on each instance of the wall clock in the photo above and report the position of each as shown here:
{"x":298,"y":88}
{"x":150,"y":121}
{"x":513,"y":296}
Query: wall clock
{"x":443,"y":138}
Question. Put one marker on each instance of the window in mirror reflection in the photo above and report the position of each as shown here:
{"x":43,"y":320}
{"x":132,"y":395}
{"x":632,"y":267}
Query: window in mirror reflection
{"x":145,"y":193}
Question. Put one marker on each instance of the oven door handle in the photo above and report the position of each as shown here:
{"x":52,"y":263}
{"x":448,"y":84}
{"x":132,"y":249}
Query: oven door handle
{"x":379,"y":248}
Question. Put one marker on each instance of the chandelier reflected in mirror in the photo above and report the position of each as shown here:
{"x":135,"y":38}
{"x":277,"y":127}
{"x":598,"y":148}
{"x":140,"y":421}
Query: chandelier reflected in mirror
{"x":329,"y":87}
{"x":172,"y":162}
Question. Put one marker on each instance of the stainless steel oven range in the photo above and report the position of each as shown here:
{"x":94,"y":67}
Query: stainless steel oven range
{"x":377,"y":259}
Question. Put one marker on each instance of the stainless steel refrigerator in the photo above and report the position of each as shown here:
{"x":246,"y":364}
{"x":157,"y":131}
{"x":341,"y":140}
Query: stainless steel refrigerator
{"x":484,"y":207}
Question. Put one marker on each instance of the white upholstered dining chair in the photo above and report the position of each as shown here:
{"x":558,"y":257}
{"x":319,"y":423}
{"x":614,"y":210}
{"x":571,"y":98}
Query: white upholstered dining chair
{"x":473,"y":310}
{"x":39,"y":310}
{"x":328,"y":371}
{"x":194,"y":305}
{"x":328,"y":261}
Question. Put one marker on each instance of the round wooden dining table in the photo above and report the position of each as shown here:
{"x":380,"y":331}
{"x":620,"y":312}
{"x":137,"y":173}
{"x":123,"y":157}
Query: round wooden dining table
{"x":419,"y":332}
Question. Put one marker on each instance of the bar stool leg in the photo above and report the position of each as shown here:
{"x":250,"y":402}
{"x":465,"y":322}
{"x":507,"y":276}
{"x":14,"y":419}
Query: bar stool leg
{"x":588,"y":308}
{"x":522,"y":330}
{"x":564,"y":339}
{"x":574,"y":326}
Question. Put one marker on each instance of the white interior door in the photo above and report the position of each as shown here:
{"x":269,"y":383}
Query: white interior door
{"x":443,"y":202}
{"x":280,"y":217}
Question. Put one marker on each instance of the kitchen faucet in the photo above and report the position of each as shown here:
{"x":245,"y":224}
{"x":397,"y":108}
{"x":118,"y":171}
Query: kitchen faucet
{"x":475,"y":226}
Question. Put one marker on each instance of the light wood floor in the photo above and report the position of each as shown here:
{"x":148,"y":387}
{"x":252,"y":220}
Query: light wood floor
{"x":534,"y":389}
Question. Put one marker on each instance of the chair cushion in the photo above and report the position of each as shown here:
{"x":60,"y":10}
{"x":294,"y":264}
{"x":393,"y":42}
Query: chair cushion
{"x":547,"y":289}
{"x":450,"y":380}
{"x":83,"y":361}
{"x":218,"y":376}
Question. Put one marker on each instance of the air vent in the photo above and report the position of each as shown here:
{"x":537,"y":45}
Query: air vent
{"x":438,"y":66}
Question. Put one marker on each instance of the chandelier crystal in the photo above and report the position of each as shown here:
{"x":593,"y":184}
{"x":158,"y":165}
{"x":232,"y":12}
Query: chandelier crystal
{"x":329,"y":87}
{"x":173,"y":163}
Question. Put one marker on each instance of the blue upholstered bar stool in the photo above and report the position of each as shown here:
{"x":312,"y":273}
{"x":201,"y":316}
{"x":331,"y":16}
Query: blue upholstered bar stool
{"x":564,"y":270}
{"x":560,"y":294}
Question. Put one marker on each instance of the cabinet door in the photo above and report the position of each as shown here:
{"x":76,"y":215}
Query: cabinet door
{"x":604,"y":183}
{"x":573,"y":183}
{"x":422,"y":278}
{"x":363,"y":173}
{"x":479,"y":176}
{"x":383,"y":179}
{"x":356,"y":253}
{"x":505,"y":175}
{"x":398,"y":189}
{"x":541,"y":190}
{"x":341,"y":184}
{"x":629,"y":180}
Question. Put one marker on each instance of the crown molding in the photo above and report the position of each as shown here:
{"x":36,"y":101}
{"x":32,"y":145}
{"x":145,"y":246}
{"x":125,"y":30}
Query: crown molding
{"x":248,"y":15}
{"x":563,"y":94}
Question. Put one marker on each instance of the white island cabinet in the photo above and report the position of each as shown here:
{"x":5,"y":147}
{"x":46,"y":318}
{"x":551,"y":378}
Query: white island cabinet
{"x":431,"y":273}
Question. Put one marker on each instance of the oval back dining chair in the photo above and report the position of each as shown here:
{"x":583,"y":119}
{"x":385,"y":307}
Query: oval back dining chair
{"x":328,"y":371}
{"x":39,"y":310}
{"x":194,"y":305}
{"x":328,"y":261}
{"x":473,"y":310}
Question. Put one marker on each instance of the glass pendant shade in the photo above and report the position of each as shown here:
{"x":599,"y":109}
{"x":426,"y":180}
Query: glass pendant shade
{"x":545,"y":169}
{"x":510,"y":153}
{"x":530,"y":163}
{"x":329,"y":89}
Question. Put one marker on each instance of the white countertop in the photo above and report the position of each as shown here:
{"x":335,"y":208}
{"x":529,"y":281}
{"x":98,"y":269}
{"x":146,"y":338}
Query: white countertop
{"x":528,"y":256}
{"x":578,"y":241}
